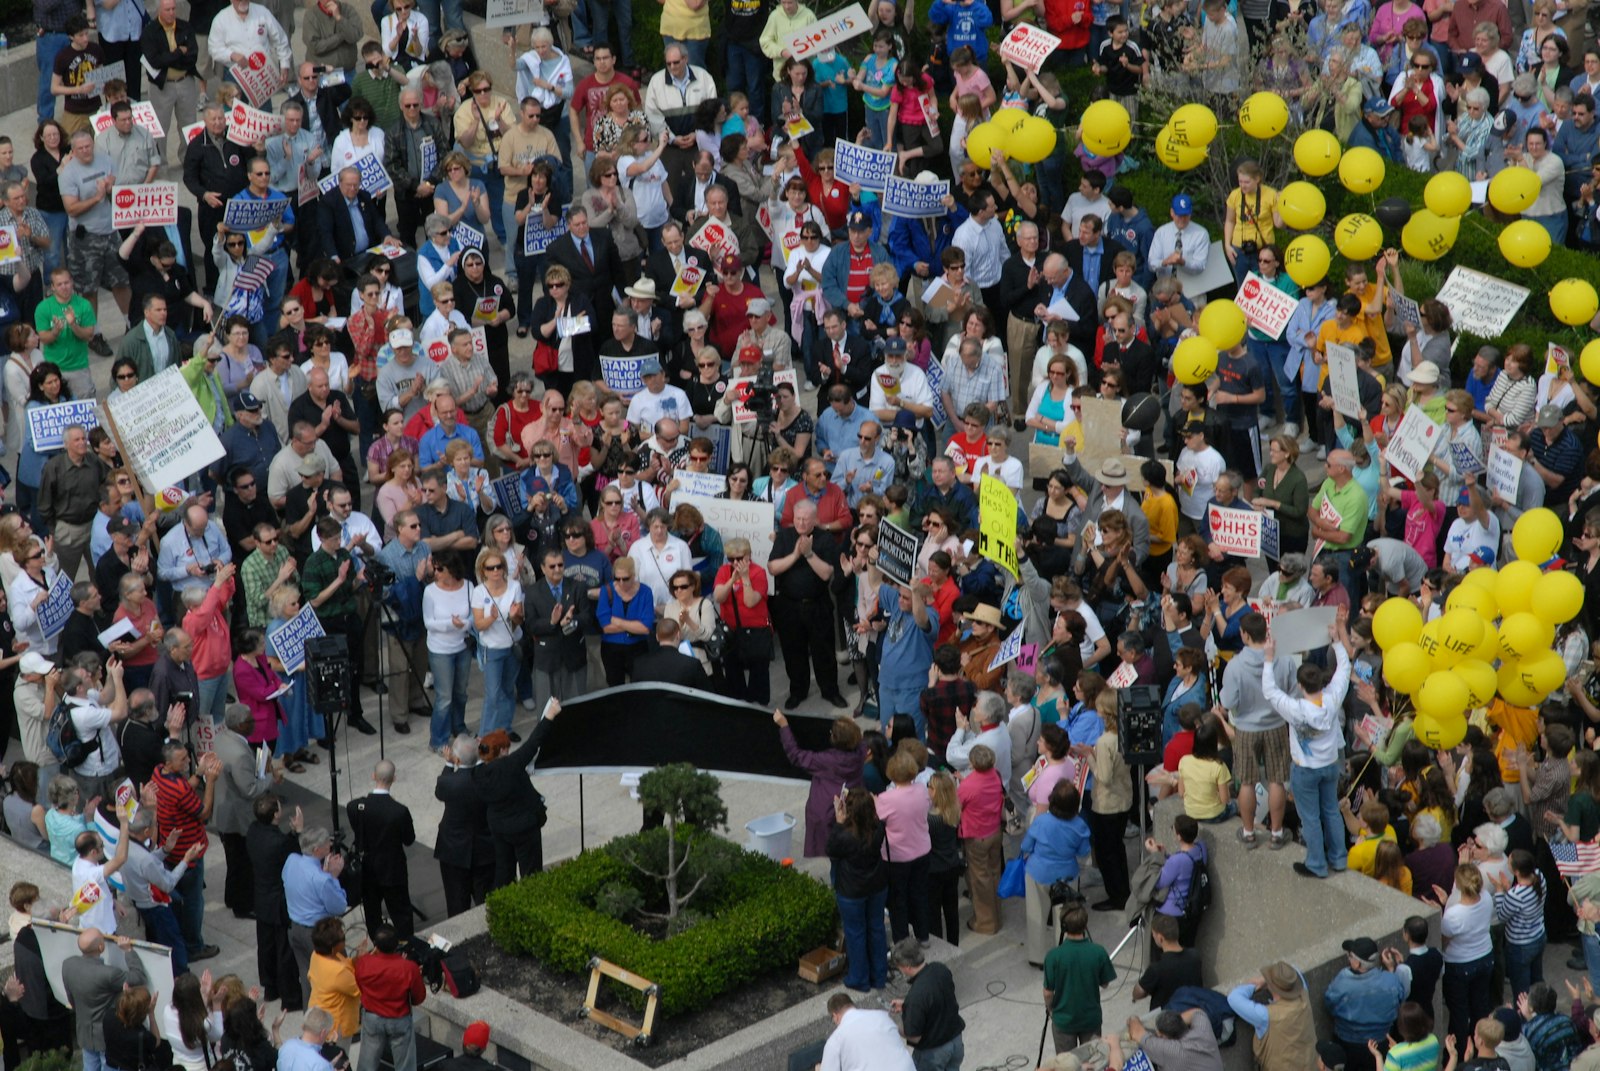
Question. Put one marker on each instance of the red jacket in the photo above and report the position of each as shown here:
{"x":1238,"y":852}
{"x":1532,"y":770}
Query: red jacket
{"x":390,"y":984}
{"x":1058,"y":20}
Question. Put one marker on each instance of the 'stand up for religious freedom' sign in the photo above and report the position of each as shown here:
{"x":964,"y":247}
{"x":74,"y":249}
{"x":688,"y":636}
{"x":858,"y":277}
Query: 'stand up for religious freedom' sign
{"x":913,"y":199}
{"x":47,"y":424}
{"x":869,"y":168}
{"x":289,"y":641}
{"x":244,"y":214}
{"x":537,"y":237}
{"x":57,"y":608}
{"x":374,"y":179}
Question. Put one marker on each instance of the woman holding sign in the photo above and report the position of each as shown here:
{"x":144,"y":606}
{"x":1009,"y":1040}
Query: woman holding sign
{"x":45,"y":387}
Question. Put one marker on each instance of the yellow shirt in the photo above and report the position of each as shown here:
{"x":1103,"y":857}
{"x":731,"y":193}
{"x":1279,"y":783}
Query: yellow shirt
{"x":1374,"y":321}
{"x":681,"y":22}
{"x":333,"y":987}
{"x":1519,"y":728}
{"x":1204,"y":781}
{"x":1252,"y":217}
{"x":1162,"y":513}
{"x":1330,"y":331}
{"x":1363,"y":853}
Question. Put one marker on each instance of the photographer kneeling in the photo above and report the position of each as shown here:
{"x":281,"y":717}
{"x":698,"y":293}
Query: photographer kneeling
{"x":1051,"y":847}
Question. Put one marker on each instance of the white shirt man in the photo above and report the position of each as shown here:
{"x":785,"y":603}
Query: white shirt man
{"x":913,"y":383}
{"x":864,"y":1039}
{"x":1179,"y":243}
{"x":242,"y":29}
{"x":864,"y":469}
{"x":988,"y":727}
{"x":982,"y":238}
{"x":1196,"y":473}
{"x":658,"y":399}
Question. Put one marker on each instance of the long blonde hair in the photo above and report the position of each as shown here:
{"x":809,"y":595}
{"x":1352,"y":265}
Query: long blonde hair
{"x":942,"y":791}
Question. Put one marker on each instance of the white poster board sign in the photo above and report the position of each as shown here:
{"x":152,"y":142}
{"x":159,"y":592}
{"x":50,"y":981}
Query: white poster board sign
{"x":1343,"y":382}
{"x":828,"y":32}
{"x":1028,"y":46}
{"x":1265,"y":307}
{"x":59,"y":943}
{"x":512,"y":12}
{"x":1235,"y":531}
{"x":153,"y":204}
{"x":1412,"y":443}
{"x":1298,"y":631}
{"x":1218,"y":273}
{"x":1481,"y":304}
{"x":163,"y":433}
{"x":748,"y":520}
{"x":709,"y":484}
{"x":247,"y":125}
{"x":1505,"y":474}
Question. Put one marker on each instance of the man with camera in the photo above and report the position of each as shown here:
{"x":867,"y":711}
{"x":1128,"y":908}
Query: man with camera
{"x":191,"y":551}
{"x":328,"y":583}
{"x":312,"y":892}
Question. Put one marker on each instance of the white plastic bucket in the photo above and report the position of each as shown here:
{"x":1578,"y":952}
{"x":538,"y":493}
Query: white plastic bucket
{"x":772,"y":835}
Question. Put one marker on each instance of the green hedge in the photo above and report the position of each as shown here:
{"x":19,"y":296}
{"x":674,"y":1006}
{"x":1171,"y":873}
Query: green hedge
{"x":769,"y":916}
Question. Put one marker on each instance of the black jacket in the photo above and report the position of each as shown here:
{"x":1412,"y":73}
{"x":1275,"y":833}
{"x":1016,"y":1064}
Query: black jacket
{"x":858,"y":370}
{"x":1081,"y":298}
{"x":683,"y":196}
{"x":659,"y":269}
{"x":158,"y":59}
{"x":463,"y":839}
{"x":1140,"y":365}
{"x":209,"y":168}
{"x":1073,"y":251}
{"x":552,"y":647}
{"x":664,"y":665}
{"x":269,"y":848}
{"x":1012,"y":293}
{"x":597,"y":282}
{"x":338,"y":236}
{"x":330,"y":106}
{"x":397,"y":161}
{"x":861,"y":869}
{"x":383,"y":830}
{"x":514,"y":806}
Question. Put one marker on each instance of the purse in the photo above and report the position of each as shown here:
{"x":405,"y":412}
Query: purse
{"x":545,"y":358}
{"x":716,"y":644}
{"x":1013,"y":879}
{"x":752,"y":645}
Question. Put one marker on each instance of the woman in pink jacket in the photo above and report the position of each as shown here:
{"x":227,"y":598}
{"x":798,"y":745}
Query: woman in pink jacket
{"x":903,"y":809}
{"x":206,"y":621}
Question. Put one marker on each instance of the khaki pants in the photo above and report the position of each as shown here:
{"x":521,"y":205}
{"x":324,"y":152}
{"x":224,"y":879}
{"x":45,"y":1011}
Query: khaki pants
{"x":72,"y":546}
{"x":985,"y":860}
{"x":406,"y":694}
{"x":1042,"y":933}
{"x":176,"y":105}
{"x":1022,"y":342}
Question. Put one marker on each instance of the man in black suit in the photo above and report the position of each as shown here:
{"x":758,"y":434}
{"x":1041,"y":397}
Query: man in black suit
{"x":1014,"y":300}
{"x":1091,"y":239}
{"x":1126,"y":351}
{"x":665,"y":263}
{"x":214,"y":170}
{"x":665,"y":664}
{"x":689,"y":191}
{"x":268,"y":848}
{"x":1061,"y":284}
{"x":383,"y":832}
{"x":556,"y":608}
{"x":463,"y":848}
{"x":340,"y":208}
{"x":324,"y":107}
{"x":591,"y":257}
{"x":840,"y":357}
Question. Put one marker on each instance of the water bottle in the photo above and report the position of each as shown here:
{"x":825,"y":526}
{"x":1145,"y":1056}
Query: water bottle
{"x":3,"y":43}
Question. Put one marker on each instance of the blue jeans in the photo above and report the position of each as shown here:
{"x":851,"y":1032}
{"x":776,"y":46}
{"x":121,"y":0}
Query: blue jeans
{"x":1524,"y":965}
{"x":698,"y":49}
{"x":1316,"y":797}
{"x":591,"y":25}
{"x":92,"y":1061}
{"x":877,"y":128}
{"x":45,"y":50}
{"x":1591,"y":958}
{"x":450,"y":677}
{"x":398,"y":1036}
{"x":277,"y":283}
{"x":499,"y":689}
{"x":161,"y":926}
{"x":892,"y":701}
{"x":56,"y":255}
{"x":213,"y":698}
{"x":1556,"y":224}
{"x":747,"y":71}
{"x":189,"y":904}
{"x":495,"y":183}
{"x":946,"y":1057}
{"x":1270,"y":355}
{"x":866,"y":943}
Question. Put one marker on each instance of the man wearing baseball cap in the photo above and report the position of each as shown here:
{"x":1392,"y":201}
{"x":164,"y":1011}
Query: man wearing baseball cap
{"x":1364,"y":999}
{"x":1180,"y":244}
{"x":250,"y":442}
{"x":845,"y":274}
{"x":32,"y":690}
{"x":1557,"y":456}
{"x":474,"y":1040}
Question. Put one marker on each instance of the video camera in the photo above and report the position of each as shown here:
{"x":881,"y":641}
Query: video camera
{"x":762,"y":401}
{"x":1063,"y":893}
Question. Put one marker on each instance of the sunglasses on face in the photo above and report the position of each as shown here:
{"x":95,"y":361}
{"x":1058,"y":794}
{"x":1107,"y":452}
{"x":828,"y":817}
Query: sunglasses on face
{"x":495,"y":567}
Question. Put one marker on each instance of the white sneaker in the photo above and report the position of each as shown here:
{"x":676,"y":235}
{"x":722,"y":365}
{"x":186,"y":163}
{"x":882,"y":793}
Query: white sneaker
{"x":527,"y":704}
{"x":1291,"y":429}
{"x":1322,"y":453}
{"x":1263,"y":422}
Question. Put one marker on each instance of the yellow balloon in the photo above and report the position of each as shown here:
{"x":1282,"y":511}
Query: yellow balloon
{"x":1440,"y":735}
{"x":1223,"y":324}
{"x":1558,"y":596}
{"x":1448,"y":194}
{"x":1358,"y":236}
{"x":1398,"y":620}
{"x":1006,"y":120}
{"x":983,"y":141}
{"x":1488,"y":650}
{"x":1427,"y":236}
{"x":1302,"y":205}
{"x":1034,"y":140}
{"x":1405,"y":667}
{"x":1316,"y":152}
{"x":1193,"y":124}
{"x":1475,"y":599}
{"x":1513,"y":190}
{"x":1432,"y":641}
{"x":1306,"y":260}
{"x":1574,"y":301}
{"x":1263,"y":115}
{"x":1525,"y":635}
{"x":1442,"y":697}
{"x":1194,"y":359}
{"x":1480,"y":679}
{"x":1513,"y":589}
{"x":1546,"y":671}
{"x":1483,"y":576}
{"x":1361,"y":170}
{"x":1589,"y":361}
{"x":1176,"y":154}
{"x":1514,"y":689}
{"x":1460,"y":632}
{"x":1537,"y":535}
{"x":1525,"y":243}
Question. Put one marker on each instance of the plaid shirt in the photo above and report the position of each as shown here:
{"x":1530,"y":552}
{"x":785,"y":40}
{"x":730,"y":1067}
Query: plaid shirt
{"x":939,"y":706}
{"x":320,"y":571}
{"x":32,"y":253}
{"x":366,"y":335}
{"x":463,"y":380}
{"x":258,"y":573}
{"x":987,"y":384}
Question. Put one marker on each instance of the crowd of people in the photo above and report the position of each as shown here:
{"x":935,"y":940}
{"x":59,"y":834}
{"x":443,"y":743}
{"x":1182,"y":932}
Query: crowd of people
{"x":651,"y":242}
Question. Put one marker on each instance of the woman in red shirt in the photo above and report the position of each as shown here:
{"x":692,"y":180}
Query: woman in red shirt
{"x":823,"y":190}
{"x":724,"y":304}
{"x":741,"y":596}
{"x":511,"y":419}
{"x":1420,"y":93}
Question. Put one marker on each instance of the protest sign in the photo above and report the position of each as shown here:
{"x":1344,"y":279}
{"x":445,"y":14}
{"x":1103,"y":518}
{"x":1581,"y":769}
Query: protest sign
{"x":935,"y":373}
{"x":739,"y":390}
{"x":247,"y":125}
{"x":107,"y":72}
{"x":828,"y":32}
{"x":508,"y":495}
{"x":1406,"y":311}
{"x":1235,"y":531}
{"x":512,"y":12}
{"x":1505,"y":474}
{"x":1123,"y":677}
{"x":871,"y":168}
{"x":1028,"y":658}
{"x":897,"y":553}
{"x":690,"y":276}
{"x":1216,"y":274}
{"x":997,"y":524}
{"x":717,"y":240}
{"x":537,"y":237}
{"x":1028,"y":46}
{"x":1342,"y":380}
{"x":700,"y":483}
{"x":374,"y":179}
{"x":1330,"y":515}
{"x":47,"y":424}
{"x":10,"y":250}
{"x":915,"y":200}
{"x":1481,"y":304}
{"x":153,"y":204}
{"x":1271,"y":538}
{"x":1265,"y":307}
{"x":58,"y":607}
{"x":144,"y":115}
{"x":429,"y":152}
{"x":1101,"y":420}
{"x":730,"y":518}
{"x":164,"y":435}
{"x":469,"y":236}
{"x":289,"y":639}
{"x":1009,"y":650}
{"x":258,"y":77}
{"x":1556,"y":358}
{"x":192,"y":131}
{"x":622,"y":374}
{"x":309,"y":189}
{"x":1412,"y":443}
{"x":798,"y":127}
{"x":1298,"y":631}
{"x":245,"y":214}
{"x":1465,"y":459}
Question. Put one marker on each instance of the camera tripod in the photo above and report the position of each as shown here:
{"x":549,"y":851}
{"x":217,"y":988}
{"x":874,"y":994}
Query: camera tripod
{"x":380,"y":612}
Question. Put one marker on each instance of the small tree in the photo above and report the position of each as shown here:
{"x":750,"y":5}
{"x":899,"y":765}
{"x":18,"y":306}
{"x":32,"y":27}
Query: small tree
{"x":681,"y":794}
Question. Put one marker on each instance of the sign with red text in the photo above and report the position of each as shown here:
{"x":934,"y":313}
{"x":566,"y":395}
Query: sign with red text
{"x":1265,"y":307}
{"x":1028,"y":46}
{"x":1412,"y":443}
{"x":259,"y":77}
{"x":144,"y":115}
{"x":152,"y":204}
{"x":1235,"y":531}
{"x":716,"y":239}
{"x":740,"y":389}
{"x":247,"y":125}
{"x":828,"y":32}
{"x":687,"y":284}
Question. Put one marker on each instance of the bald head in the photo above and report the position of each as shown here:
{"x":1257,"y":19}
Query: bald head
{"x":91,"y":942}
{"x":1342,"y":460}
{"x":383,"y":774}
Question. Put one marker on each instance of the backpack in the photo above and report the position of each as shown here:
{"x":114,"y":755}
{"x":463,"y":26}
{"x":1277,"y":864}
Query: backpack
{"x":428,"y":959}
{"x":460,"y":976}
{"x":63,"y":741}
{"x":1199,"y":886}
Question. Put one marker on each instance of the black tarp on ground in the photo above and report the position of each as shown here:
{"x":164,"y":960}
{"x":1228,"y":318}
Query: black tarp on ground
{"x":643,"y":725}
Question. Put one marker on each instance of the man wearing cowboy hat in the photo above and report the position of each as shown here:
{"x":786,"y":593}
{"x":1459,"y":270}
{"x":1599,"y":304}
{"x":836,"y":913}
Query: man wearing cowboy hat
{"x":1108,"y":489}
{"x":979,"y":649}
{"x":1274,"y":1004}
{"x":651,"y":321}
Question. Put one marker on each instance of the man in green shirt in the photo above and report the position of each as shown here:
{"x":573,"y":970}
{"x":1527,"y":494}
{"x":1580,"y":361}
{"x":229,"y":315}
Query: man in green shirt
{"x":65,"y":322}
{"x":1074,"y":973}
{"x":1338,"y":514}
{"x":268,"y":568}
{"x":328,"y":585}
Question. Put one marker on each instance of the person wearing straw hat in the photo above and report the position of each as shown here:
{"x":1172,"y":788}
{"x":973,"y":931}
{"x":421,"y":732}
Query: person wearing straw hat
{"x":1274,"y":1003}
{"x":1107,"y":489}
{"x":651,"y":319}
{"x":979,"y":649}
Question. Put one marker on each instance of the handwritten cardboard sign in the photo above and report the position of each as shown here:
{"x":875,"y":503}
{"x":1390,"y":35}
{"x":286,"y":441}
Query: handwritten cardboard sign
{"x":1343,"y":382}
{"x":1412,"y":443}
{"x":828,"y":32}
{"x":1481,"y":304}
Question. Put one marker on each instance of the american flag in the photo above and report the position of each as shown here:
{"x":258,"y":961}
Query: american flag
{"x":1576,"y":860}
{"x":254,"y":274}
